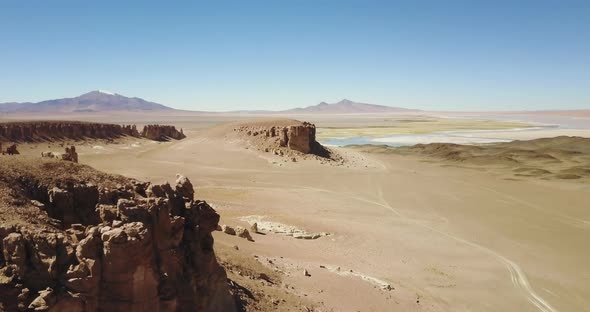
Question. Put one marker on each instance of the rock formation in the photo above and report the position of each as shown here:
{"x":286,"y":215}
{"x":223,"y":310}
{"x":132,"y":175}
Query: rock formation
{"x":243,"y":233}
{"x":36,"y":131}
{"x":254,"y":227}
{"x":11,"y":150}
{"x":301,"y":138}
{"x":70,"y":154}
{"x":32,"y":131}
{"x":130,"y":130}
{"x":98,"y":242}
{"x":259,"y":224}
{"x":228,"y":230}
{"x":162,"y":133}
{"x":295,"y":135}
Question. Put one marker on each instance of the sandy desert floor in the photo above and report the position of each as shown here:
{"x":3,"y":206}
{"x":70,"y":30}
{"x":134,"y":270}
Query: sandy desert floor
{"x":444,"y":238}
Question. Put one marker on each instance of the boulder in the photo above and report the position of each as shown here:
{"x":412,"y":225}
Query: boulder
{"x":51,"y":155}
{"x":254,"y":227}
{"x":23,"y":299}
{"x":70,"y":154}
{"x":228,"y":229}
{"x":44,"y":301}
{"x":12,"y":150}
{"x":243,"y":233}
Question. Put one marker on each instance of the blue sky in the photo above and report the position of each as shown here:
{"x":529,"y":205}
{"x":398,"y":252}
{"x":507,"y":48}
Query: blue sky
{"x":230,"y":55}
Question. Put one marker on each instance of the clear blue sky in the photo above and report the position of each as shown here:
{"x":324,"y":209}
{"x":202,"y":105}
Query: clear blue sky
{"x":444,"y":55}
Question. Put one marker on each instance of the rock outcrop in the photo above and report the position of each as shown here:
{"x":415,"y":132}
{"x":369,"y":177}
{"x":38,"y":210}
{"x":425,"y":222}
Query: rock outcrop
{"x":228,"y":230}
{"x":254,"y":227}
{"x":70,"y":154}
{"x":104,"y":243}
{"x":162,"y":133}
{"x":33,"y":131}
{"x":10,"y":150}
{"x":259,"y":224}
{"x":243,"y":233}
{"x":38,"y":131}
{"x":296,"y":136}
{"x":301,"y":138}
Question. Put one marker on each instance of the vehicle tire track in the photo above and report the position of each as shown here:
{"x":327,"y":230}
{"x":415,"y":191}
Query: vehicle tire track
{"x":517,"y":275}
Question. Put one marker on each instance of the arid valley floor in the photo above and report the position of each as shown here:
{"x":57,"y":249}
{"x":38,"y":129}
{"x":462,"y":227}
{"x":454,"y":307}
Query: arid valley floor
{"x":407,"y":231}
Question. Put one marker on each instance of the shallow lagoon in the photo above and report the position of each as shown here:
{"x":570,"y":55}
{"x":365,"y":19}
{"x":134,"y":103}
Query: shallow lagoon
{"x":457,"y":137}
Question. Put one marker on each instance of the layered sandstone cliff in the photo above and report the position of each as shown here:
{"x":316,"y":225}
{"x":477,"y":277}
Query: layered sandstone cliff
{"x":34,"y":131}
{"x":31,"y":131}
{"x":75,"y":239}
{"x":162,"y":133}
{"x":295,"y":135}
{"x":301,"y":137}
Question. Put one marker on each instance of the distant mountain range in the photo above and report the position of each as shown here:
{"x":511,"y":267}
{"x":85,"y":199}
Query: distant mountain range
{"x":105,"y":101}
{"x":347,"y":107}
{"x":95,"y":101}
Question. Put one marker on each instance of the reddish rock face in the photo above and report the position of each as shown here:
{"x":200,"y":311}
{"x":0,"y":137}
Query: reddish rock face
{"x":121,"y":251}
{"x":162,"y":133}
{"x":54,"y":130}
{"x":301,"y":138}
{"x":32,"y":131}
{"x":283,"y":137}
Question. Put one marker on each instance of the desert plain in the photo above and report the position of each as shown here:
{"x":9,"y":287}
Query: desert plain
{"x":401,"y":230}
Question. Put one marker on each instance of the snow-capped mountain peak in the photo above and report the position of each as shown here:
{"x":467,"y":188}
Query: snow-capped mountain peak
{"x":106,"y":92}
